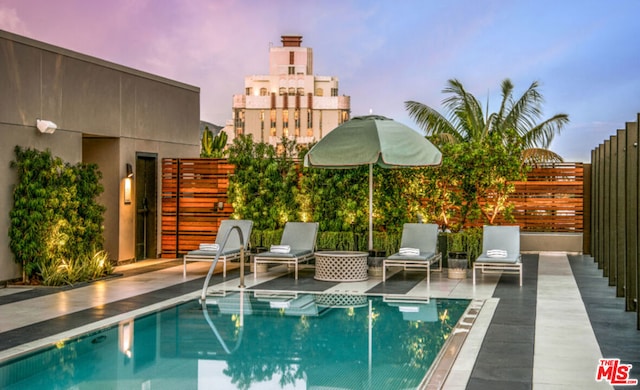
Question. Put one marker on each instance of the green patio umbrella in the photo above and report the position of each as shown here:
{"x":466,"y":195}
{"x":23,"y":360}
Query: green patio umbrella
{"x":368,"y":140}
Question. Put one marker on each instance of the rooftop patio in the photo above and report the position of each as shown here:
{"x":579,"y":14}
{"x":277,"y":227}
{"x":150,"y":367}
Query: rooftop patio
{"x":549,"y":333}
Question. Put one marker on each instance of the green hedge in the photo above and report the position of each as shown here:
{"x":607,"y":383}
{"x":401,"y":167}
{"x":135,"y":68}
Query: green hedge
{"x":56,"y":222}
{"x":469,"y":240}
{"x":345,"y":241}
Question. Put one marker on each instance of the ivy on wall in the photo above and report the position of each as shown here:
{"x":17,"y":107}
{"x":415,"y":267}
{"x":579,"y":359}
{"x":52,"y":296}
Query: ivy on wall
{"x":56,"y":223}
{"x":470,"y":188}
{"x":265,"y":184}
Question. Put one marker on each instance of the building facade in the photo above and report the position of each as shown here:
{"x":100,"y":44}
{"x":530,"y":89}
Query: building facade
{"x":290,"y":101}
{"x":124,"y":120}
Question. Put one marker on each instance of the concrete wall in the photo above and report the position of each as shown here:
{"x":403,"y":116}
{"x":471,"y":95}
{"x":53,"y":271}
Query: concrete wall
{"x":105,"y":114}
{"x":534,"y":242}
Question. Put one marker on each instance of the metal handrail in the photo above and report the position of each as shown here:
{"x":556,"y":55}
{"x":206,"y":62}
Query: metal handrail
{"x":203,"y":295}
{"x":207,"y":317}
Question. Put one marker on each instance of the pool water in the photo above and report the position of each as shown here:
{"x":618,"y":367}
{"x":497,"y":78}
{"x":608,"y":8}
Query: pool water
{"x":251,"y":340}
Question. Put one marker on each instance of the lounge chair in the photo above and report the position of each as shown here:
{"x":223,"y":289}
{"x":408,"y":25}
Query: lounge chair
{"x":231,"y":249}
{"x":500,"y":251}
{"x":297,"y":245}
{"x":418,"y":249}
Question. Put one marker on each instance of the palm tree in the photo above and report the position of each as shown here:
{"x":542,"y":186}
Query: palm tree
{"x":515,"y":122}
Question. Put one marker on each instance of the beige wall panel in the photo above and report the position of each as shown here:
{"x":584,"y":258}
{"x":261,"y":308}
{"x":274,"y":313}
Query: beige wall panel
{"x":19,"y":89}
{"x":130,"y":111}
{"x":165,"y":113}
{"x":52,"y":89}
{"x":90,"y":98}
{"x":105,"y":153}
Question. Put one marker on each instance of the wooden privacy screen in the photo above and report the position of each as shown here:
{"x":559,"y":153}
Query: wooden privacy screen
{"x":192,"y":190}
{"x":551,"y":201}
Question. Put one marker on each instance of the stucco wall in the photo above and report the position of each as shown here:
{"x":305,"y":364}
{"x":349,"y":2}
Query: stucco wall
{"x":105,"y":113}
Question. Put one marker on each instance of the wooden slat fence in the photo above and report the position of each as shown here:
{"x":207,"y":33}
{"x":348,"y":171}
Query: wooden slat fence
{"x":191,"y":192}
{"x":551,"y":200}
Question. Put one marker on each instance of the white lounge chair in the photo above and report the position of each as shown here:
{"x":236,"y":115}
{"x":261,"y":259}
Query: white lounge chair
{"x":422,"y":240}
{"x":500,"y":251}
{"x":300,"y":240}
{"x":231,"y":249}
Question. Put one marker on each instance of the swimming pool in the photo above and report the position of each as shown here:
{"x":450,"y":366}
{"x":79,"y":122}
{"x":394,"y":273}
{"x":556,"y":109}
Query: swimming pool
{"x":252,"y":340}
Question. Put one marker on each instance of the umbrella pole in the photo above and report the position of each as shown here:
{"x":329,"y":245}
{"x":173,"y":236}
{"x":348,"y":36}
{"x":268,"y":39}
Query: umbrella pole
{"x":370,"y":207}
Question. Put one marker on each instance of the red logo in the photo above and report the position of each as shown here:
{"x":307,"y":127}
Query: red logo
{"x":615,"y":373}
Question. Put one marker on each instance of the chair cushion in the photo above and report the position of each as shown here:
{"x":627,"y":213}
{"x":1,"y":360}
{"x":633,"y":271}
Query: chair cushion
{"x":293,"y":254}
{"x":509,"y":259}
{"x":424,"y":256}
{"x":200,"y":252}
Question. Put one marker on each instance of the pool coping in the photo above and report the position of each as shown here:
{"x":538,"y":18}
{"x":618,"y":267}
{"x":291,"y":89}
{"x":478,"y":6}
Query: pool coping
{"x":460,"y":347}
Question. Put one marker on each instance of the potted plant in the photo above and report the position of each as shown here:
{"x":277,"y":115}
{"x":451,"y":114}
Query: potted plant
{"x":376,"y":257}
{"x":457,"y":259}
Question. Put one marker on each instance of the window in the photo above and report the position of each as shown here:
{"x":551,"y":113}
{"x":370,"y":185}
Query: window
{"x":239,"y":121}
{"x":345,"y":116}
{"x":292,"y":91}
{"x":272,"y":117}
{"x":262,"y":125}
{"x":334,"y":91}
{"x":285,"y":123}
{"x":263,"y":92}
{"x":292,"y":70}
{"x":248,"y":91}
{"x":296,"y":121}
{"x":300,"y":91}
{"x":292,"y":58}
{"x":319,"y":92}
{"x":282,"y":91}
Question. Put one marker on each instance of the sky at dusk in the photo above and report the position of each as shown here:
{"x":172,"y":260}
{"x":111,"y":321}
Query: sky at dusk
{"x":585,"y":54}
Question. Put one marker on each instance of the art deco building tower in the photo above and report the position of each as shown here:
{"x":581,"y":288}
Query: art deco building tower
{"x":290,"y":101}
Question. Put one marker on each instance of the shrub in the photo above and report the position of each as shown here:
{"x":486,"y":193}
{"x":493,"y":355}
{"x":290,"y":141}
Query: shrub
{"x":55,"y":219}
{"x":86,"y":267}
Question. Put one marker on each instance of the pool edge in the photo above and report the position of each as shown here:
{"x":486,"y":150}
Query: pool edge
{"x":460,"y":351}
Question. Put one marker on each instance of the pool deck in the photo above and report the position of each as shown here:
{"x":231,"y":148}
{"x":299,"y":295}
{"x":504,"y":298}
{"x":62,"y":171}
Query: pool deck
{"x":548,"y":334}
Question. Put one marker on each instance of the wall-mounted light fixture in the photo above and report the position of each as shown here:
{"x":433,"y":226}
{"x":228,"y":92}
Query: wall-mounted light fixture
{"x":220,"y":206}
{"x":128,"y":184}
{"x":46,"y":127}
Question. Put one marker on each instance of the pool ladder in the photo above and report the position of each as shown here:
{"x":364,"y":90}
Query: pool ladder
{"x":203,"y":295}
{"x":214,"y":329}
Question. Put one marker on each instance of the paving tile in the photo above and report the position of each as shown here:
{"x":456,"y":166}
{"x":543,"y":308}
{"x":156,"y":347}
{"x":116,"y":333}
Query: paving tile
{"x":506,"y":361}
{"x":512,"y":333}
{"x":614,"y":328}
{"x":484,"y":384}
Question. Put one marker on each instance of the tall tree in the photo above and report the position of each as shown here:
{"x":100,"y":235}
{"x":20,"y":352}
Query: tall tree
{"x":518,"y":121}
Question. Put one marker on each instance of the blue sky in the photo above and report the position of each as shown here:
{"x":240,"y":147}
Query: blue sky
{"x":585,"y":54}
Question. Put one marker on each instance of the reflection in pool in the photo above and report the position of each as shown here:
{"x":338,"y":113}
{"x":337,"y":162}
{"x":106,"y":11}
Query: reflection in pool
{"x":253,"y":340}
